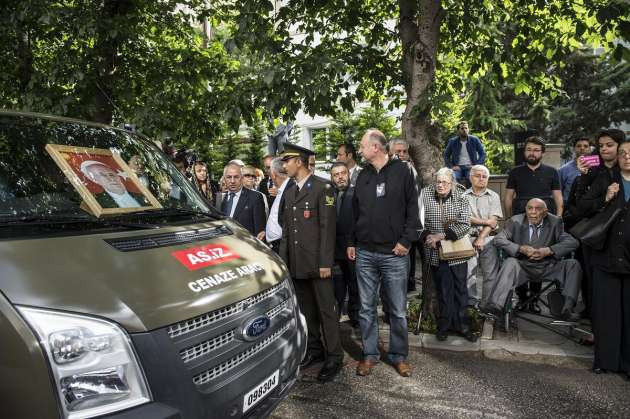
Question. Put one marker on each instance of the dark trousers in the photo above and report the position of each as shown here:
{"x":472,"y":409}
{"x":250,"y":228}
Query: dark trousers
{"x":452,"y":294}
{"x":316,"y":298}
{"x":346,"y":283}
{"x":611,"y":320}
{"x":583,"y":256}
{"x":275,"y":245}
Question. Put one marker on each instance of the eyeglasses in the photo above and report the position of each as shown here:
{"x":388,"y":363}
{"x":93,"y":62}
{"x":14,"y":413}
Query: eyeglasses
{"x":443,"y":182}
{"x":624,"y":154}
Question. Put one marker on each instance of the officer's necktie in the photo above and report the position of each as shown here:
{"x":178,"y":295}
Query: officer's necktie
{"x":228,"y":204}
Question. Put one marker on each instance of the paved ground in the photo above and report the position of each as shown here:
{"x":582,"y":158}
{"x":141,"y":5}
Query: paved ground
{"x":526,"y":373}
{"x":448,"y":384}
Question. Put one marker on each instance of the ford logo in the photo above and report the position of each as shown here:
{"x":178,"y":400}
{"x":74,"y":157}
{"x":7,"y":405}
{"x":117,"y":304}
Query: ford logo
{"x":255,"y":327}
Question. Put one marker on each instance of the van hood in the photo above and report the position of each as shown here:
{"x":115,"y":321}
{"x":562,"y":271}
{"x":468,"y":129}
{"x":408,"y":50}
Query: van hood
{"x":139,"y":289}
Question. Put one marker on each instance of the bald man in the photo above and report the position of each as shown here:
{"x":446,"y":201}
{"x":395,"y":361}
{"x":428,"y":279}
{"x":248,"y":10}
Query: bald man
{"x":535,"y":243}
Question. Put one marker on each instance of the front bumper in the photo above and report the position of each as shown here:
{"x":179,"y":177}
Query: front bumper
{"x":173,"y":388}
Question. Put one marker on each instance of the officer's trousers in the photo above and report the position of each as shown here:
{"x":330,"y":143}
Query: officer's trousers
{"x":316,"y":298}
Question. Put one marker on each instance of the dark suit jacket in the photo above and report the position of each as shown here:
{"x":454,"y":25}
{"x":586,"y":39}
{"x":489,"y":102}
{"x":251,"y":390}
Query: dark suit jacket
{"x":263,"y":188}
{"x":106,"y":201}
{"x":250,"y":210}
{"x":516,"y":233}
{"x":345,"y":224}
{"x":308,"y":230}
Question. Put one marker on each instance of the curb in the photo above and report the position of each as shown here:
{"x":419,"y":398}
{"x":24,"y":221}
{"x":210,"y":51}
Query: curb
{"x":488,"y":345}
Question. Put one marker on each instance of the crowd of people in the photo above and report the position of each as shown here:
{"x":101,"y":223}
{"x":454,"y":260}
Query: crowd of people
{"x":353,"y":238}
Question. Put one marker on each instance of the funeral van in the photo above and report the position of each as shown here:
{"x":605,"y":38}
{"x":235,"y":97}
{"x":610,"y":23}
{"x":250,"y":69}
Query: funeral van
{"x":123,"y":293}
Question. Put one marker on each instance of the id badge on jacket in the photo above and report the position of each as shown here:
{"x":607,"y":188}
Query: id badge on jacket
{"x":380,"y":190}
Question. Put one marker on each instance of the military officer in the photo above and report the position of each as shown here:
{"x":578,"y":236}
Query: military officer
{"x":308,"y":248}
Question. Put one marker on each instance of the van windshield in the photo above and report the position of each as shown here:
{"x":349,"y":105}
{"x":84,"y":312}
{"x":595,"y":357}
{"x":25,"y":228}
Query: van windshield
{"x":53,"y":169}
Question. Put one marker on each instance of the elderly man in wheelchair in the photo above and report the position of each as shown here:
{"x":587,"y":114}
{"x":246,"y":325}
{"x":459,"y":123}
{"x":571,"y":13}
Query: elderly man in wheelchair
{"x":535,"y":244}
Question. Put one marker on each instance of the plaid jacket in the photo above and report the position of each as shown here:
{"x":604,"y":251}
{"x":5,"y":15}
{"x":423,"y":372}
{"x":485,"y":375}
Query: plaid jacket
{"x":456,"y":215}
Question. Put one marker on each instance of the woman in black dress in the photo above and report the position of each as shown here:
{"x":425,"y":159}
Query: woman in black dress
{"x":611,"y":271}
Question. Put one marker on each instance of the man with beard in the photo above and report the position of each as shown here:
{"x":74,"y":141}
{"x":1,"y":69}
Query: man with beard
{"x":344,"y":279}
{"x":533,"y":179}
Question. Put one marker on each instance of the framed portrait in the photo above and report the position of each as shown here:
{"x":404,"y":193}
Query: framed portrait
{"x":103,"y":179}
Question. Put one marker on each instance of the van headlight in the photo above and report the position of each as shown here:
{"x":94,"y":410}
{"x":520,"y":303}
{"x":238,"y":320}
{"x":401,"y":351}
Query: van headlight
{"x":95,"y":368}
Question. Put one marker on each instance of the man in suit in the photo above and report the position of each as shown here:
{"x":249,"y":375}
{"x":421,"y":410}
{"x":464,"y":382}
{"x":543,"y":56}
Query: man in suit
{"x":308,"y":248}
{"x":242,"y":204}
{"x":346,"y":153}
{"x":535,"y":243}
{"x":115,"y":194}
{"x":344,"y":279}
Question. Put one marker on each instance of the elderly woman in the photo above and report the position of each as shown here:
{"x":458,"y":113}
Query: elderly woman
{"x":447,"y":217}
{"x":611,"y":271}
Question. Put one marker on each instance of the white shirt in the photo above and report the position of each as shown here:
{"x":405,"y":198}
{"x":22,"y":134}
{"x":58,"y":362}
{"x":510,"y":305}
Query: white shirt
{"x":273,"y":231}
{"x":356,"y":168}
{"x":464,"y":158}
{"x":125,"y":200}
{"x":237,"y":195}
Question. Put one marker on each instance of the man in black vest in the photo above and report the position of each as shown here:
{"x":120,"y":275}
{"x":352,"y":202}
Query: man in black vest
{"x":308,"y":249}
{"x":344,"y":278}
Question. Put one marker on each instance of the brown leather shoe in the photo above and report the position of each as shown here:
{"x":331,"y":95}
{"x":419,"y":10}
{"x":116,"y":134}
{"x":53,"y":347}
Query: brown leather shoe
{"x":365,"y":367}
{"x":403,"y":369}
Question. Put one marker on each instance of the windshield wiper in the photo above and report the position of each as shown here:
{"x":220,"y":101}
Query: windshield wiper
{"x":60,"y":219}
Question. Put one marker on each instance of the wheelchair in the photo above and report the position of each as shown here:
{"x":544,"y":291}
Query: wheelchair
{"x":550,"y":297}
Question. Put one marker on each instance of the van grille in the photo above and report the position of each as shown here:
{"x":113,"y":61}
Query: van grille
{"x":217,"y":342}
{"x":130,"y":244}
{"x":207,"y":319}
{"x":211,"y":374}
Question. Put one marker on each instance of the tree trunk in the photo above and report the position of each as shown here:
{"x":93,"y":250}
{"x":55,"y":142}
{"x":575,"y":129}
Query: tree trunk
{"x":419,"y":32}
{"x":105,"y":53}
{"x":24,"y":56}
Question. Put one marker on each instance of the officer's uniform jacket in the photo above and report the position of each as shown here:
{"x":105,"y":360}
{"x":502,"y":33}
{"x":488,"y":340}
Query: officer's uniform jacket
{"x":308,"y":228}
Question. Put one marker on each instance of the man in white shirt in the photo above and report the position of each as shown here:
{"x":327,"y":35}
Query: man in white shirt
{"x":485,"y":213}
{"x":347,"y":154}
{"x":273,"y":231}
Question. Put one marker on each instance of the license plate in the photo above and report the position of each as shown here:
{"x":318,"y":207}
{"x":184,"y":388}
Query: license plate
{"x":260,"y":391}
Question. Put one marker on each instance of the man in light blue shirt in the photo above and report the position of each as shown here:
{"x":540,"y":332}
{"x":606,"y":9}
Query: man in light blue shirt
{"x":569,"y":171}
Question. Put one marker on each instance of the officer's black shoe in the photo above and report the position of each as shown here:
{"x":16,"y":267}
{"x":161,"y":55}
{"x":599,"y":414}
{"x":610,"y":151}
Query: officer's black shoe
{"x":441,"y":335}
{"x":329,"y":371}
{"x":311,"y":359}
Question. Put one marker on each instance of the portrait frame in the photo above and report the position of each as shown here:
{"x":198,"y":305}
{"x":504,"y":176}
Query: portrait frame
{"x":62,"y":154}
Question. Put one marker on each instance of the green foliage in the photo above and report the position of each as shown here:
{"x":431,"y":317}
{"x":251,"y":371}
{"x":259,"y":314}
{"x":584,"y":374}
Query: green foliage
{"x":500,"y":156}
{"x":348,"y":128}
{"x":256,"y":145}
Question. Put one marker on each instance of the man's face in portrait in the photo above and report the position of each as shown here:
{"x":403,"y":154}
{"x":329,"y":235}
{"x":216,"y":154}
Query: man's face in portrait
{"x":107,"y":178}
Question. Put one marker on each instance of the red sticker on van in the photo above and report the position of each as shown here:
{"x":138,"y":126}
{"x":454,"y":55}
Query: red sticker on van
{"x":200,"y":257}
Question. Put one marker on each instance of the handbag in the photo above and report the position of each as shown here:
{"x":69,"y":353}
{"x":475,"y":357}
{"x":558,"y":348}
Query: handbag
{"x":455,"y":249}
{"x":594,"y":231}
